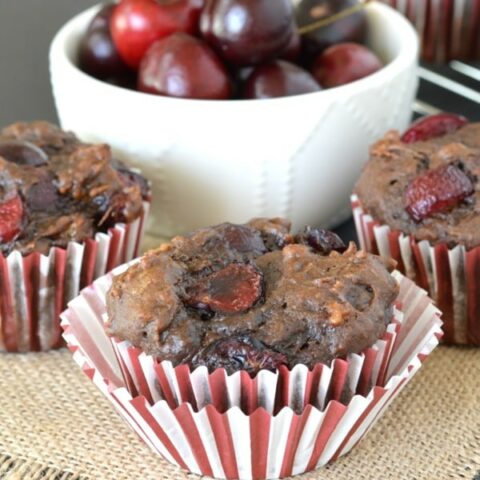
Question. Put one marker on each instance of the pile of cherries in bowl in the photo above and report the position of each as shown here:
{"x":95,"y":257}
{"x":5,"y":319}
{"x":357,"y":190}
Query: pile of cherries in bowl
{"x":226,"y":49}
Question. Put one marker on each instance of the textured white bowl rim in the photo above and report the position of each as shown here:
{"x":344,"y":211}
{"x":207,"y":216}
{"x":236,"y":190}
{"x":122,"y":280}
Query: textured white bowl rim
{"x":409,"y":49}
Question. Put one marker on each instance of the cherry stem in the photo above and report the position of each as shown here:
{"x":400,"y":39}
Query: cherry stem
{"x":333,"y":18}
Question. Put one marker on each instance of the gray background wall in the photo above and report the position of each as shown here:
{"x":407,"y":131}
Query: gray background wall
{"x":26,"y":29}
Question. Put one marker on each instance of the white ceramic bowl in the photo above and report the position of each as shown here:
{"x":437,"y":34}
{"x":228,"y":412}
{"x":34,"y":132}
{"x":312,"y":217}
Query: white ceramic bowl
{"x":212,"y":161}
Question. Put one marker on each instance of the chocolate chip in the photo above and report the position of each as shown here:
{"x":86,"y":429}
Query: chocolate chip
{"x":23,"y":153}
{"x":44,"y":197}
{"x":322,"y":241}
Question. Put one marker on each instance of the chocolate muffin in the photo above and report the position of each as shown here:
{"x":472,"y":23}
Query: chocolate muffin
{"x":426,"y":187}
{"x":55,"y":189}
{"x":253,"y":296}
{"x":418,"y":201}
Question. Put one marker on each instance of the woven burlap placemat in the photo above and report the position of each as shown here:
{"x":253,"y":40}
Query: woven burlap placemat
{"x":54,"y":424}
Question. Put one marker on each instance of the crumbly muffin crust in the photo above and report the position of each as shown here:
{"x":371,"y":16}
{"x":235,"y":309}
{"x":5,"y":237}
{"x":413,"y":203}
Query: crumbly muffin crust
{"x":67,"y":190}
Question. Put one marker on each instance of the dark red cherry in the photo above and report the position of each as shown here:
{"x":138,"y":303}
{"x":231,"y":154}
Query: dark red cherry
{"x":183,"y":66}
{"x":279,"y":79}
{"x":348,"y":29}
{"x":247,"y":32}
{"x":186,"y":14}
{"x":293,"y":49}
{"x":344,"y":63}
{"x":101,"y":21}
{"x":98,"y":56}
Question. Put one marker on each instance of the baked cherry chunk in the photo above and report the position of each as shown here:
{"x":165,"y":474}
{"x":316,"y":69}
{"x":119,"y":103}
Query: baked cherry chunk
{"x":433,"y":126}
{"x":55,"y":189}
{"x":426,"y":188}
{"x":251,"y":297}
{"x":437,"y":190}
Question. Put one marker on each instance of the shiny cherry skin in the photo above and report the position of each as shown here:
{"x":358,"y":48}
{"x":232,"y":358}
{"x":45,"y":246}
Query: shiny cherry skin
{"x":186,"y":67}
{"x":279,"y":79}
{"x":101,"y":21}
{"x":344,"y":63}
{"x":186,"y":14}
{"x":97,"y":54}
{"x":293,"y":50}
{"x":348,"y":29}
{"x":247,"y":32}
{"x":137,"y":24}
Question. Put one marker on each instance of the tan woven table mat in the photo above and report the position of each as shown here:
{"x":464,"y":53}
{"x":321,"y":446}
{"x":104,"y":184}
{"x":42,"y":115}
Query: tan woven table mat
{"x":55,"y":425}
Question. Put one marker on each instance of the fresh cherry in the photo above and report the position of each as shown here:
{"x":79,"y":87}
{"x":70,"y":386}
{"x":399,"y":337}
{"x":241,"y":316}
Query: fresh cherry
{"x":247,"y":32}
{"x":344,"y":63}
{"x":183,"y":66}
{"x":101,"y":21}
{"x":23,"y":153}
{"x":137,"y":24}
{"x":433,"y":126}
{"x":293,"y":49}
{"x":436,"y":191}
{"x":11,"y":213}
{"x":186,"y":14}
{"x":98,"y":55}
{"x":233,"y":289}
{"x":279,"y":79}
{"x":351,"y":28}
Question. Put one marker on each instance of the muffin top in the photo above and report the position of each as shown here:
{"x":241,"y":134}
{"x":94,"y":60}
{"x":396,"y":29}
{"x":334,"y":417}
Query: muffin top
{"x":55,"y":189}
{"x":428,"y":189}
{"x":253,"y":296}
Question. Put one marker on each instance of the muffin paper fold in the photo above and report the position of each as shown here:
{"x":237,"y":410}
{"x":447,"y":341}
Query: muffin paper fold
{"x":235,"y":426}
{"x":35,"y":288}
{"x":450,"y":275}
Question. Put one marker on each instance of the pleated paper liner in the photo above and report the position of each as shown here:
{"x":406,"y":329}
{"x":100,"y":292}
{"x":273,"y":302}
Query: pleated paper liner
{"x":274,"y":425}
{"x":450,"y":275}
{"x":35,"y":289}
{"x":448,"y":29}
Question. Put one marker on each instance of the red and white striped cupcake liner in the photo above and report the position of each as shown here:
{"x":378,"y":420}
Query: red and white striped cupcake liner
{"x":450,"y":275}
{"x":35,"y":288}
{"x":233,"y":426}
{"x":448,"y":28}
